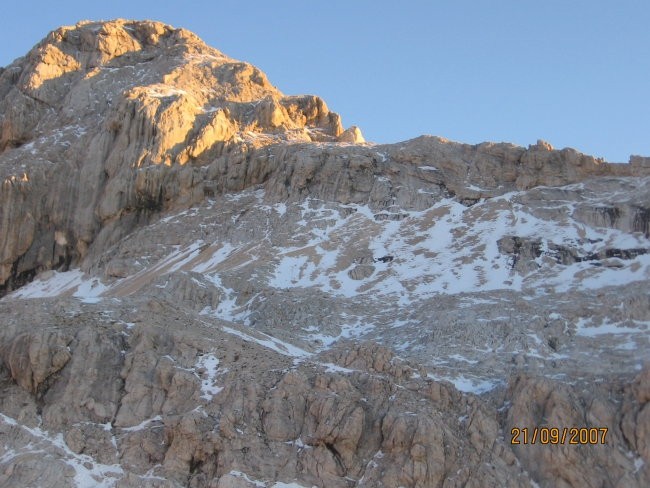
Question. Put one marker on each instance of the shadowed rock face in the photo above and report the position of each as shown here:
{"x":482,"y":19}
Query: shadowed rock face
{"x":208,"y":283}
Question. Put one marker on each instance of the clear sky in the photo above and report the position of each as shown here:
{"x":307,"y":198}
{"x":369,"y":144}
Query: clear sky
{"x":573,"y":72}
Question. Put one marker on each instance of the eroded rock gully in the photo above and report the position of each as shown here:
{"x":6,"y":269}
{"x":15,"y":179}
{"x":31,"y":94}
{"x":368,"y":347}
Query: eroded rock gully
{"x":208,"y":283}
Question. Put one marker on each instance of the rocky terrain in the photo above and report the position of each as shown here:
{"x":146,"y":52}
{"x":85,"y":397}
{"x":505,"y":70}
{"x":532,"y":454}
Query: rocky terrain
{"x":208,"y":283}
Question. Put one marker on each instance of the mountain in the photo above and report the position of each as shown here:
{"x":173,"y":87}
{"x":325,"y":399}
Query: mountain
{"x":207,"y":283}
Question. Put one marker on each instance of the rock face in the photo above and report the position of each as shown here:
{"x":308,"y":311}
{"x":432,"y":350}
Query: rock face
{"x":208,"y":283}
{"x":105,"y":116}
{"x":114,"y":121}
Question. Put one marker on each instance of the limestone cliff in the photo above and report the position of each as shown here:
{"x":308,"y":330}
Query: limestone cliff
{"x":98,"y":120}
{"x":103,"y":124}
{"x":208,"y":283}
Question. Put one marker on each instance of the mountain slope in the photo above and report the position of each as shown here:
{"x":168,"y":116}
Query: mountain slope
{"x":207,"y":283}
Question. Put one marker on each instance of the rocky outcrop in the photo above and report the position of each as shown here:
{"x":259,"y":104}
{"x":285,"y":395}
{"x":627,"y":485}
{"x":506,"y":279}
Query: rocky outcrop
{"x":104,"y":115}
{"x":525,"y":254}
{"x":640,"y":161}
{"x":202,"y":406}
{"x":32,"y":359}
{"x":119,"y":120}
{"x":207,"y":283}
{"x":618,"y":416}
{"x":170,"y":404}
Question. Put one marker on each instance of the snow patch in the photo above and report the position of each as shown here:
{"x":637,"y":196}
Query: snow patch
{"x":142,"y":425}
{"x":468,"y":385}
{"x":270,"y":342}
{"x":55,"y":283}
{"x":585,"y":329}
{"x":164,"y":91}
{"x":88,"y":472}
{"x":209,"y":363}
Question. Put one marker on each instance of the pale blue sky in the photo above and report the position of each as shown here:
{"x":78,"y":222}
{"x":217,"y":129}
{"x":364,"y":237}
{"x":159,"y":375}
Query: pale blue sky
{"x":573,"y":72}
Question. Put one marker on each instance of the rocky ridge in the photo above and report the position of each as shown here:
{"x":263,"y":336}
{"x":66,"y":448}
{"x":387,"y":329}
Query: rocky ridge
{"x":207,"y":283}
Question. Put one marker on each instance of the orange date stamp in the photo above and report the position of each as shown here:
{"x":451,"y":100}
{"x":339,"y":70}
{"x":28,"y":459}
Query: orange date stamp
{"x":575,"y":436}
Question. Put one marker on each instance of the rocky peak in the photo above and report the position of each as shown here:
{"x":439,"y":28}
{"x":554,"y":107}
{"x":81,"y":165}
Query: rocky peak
{"x":96,"y":44}
{"x":98,"y":100}
{"x":103,"y":69}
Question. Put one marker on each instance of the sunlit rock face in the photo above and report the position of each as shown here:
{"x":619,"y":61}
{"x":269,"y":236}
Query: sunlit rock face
{"x":208,"y":283}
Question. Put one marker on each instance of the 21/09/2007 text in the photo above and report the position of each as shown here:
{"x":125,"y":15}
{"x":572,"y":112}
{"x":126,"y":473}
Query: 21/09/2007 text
{"x":559,"y":436}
